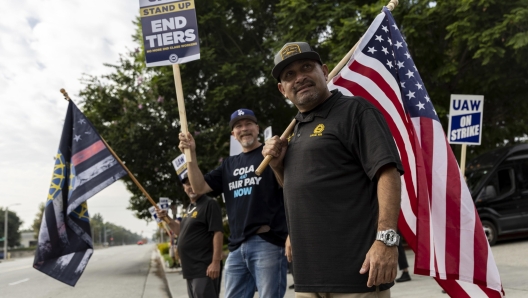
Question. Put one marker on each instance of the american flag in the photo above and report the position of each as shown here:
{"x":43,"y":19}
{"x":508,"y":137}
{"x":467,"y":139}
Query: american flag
{"x":438,"y":218}
{"x":83,"y":167}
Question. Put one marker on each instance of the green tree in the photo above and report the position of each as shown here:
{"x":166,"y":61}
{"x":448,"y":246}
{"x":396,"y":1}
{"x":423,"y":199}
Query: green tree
{"x":119,"y":234}
{"x":459,"y":47}
{"x":37,"y":221}
{"x":13,"y":225}
{"x":465,"y":47}
{"x":474,"y":47}
{"x":135,"y":108}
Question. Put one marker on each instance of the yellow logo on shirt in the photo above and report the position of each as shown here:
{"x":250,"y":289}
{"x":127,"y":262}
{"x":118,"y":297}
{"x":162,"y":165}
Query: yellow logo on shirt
{"x":318,"y":131}
{"x":195,"y":213}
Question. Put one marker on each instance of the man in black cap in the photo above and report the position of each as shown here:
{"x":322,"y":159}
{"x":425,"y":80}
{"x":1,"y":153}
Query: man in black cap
{"x":341,"y":176}
{"x":255,"y":209}
{"x":200,"y":242}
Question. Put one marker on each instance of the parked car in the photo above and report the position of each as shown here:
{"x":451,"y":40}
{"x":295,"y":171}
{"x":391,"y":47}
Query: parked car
{"x":498,"y":182}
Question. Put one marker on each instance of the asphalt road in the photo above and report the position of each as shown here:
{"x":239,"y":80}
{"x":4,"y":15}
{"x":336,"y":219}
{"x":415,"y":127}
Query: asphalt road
{"x":120,"y":271}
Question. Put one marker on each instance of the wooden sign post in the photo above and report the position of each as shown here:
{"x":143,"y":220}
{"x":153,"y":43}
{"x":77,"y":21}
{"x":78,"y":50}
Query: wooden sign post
{"x":170,"y":37}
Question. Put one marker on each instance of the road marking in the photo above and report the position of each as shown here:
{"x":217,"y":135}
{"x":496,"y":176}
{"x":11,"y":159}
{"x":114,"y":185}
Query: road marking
{"x":15,"y":269}
{"x":18,"y":282}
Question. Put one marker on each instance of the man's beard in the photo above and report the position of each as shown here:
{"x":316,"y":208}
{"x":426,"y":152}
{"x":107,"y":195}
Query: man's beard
{"x":307,"y":97}
{"x":247,"y":143}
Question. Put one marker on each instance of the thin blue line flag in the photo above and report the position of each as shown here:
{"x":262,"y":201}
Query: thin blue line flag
{"x":83,"y":167}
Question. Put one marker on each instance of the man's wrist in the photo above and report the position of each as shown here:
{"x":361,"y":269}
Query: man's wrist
{"x":389,"y":237}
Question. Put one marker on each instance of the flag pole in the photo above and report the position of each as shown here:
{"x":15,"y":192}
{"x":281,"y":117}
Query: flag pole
{"x":392,"y":4}
{"x":181,"y":106}
{"x":67,"y":97}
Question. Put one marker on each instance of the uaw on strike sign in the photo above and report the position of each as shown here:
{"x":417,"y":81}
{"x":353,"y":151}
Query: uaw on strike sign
{"x":465,"y":119}
{"x":170,"y":31}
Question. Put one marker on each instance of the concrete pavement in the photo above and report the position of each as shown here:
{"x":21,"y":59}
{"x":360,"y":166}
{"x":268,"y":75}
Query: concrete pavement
{"x":510,"y":257}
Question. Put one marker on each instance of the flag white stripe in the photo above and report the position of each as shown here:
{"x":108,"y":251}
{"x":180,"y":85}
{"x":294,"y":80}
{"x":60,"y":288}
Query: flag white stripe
{"x":471,"y":289}
{"x":438,"y":189}
{"x":90,"y":193}
{"x":84,"y":261}
{"x":467,"y":234}
{"x":492,"y":274}
{"x":94,"y":170}
{"x":407,"y":212}
{"x":59,"y":218}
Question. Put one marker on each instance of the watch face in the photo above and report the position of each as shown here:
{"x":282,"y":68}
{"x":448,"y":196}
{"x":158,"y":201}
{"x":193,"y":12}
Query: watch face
{"x":390,"y":238}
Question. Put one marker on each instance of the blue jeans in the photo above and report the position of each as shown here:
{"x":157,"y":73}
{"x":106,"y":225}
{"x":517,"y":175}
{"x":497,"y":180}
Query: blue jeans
{"x":256,"y":263}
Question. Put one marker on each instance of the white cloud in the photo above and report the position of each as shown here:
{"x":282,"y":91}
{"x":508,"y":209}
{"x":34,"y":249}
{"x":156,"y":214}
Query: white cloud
{"x":46,"y":46}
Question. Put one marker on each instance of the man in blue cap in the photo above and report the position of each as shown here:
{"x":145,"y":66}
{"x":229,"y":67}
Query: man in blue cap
{"x":255,"y":209}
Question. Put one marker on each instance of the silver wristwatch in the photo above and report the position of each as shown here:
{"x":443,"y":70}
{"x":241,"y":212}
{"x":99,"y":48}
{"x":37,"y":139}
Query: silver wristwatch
{"x":389,"y":237}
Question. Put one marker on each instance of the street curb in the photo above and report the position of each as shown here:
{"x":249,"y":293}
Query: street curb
{"x":162,"y":262}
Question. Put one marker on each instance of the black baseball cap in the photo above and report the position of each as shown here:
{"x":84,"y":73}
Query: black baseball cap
{"x":290,"y":52}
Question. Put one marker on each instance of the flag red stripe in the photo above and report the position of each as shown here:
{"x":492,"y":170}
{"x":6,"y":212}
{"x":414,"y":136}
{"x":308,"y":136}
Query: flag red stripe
{"x":491,"y":293}
{"x":480,"y":253}
{"x":452,"y":256}
{"x":453,"y":288}
{"x":423,"y":232}
{"x":406,"y":232}
{"x":382,"y":84}
{"x":85,"y":154}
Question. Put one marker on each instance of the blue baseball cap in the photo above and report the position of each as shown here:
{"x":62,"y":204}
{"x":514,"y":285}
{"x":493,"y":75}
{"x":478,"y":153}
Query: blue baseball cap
{"x":242,"y":114}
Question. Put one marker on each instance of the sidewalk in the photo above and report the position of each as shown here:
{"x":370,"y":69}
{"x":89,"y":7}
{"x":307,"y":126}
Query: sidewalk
{"x":178,"y":286}
{"x":418,"y":287}
{"x":510,"y":257}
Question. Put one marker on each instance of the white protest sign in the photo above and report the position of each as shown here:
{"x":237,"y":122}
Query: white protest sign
{"x":170,"y":31}
{"x":152,"y":211}
{"x":267,"y":133}
{"x":234,"y":147}
{"x":164,"y":203}
{"x":465,"y":119}
{"x":180,"y":165}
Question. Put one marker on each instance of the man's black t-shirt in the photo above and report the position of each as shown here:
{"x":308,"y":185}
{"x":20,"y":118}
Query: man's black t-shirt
{"x":195,"y":242}
{"x":251,"y":201}
{"x":330,"y":192}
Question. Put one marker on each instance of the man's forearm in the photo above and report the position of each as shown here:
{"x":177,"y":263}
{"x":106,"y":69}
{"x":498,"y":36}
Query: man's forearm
{"x":218,"y":241}
{"x":196,"y":177}
{"x":389,"y":197}
{"x":174,"y":225}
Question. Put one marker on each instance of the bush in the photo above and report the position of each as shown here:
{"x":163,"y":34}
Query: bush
{"x":167,"y":261}
{"x":164,"y":248}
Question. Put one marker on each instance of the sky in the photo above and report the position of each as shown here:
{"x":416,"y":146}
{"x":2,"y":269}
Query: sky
{"x":46,"y":45}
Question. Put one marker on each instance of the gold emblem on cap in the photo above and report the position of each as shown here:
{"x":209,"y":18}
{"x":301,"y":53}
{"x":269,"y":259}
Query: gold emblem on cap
{"x":289,"y":50}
